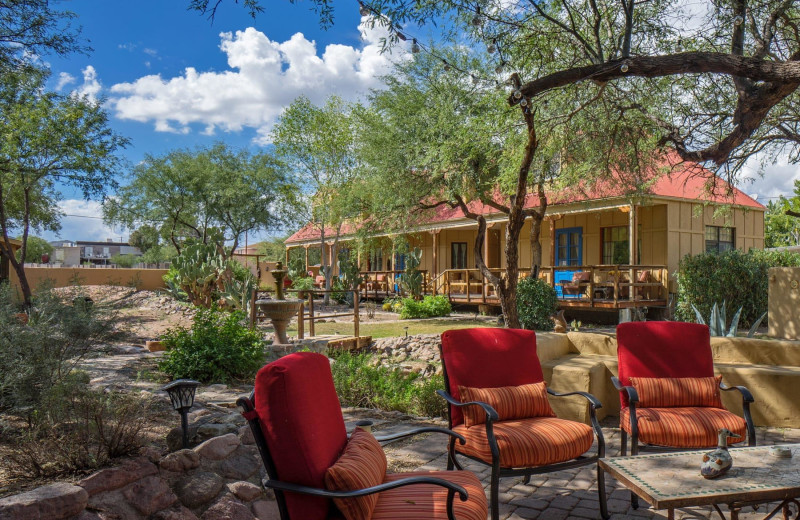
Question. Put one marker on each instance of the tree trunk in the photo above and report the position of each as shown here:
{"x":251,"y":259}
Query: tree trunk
{"x":19,"y":268}
{"x":536,"y":245}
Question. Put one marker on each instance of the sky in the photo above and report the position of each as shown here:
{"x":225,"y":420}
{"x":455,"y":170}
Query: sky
{"x":170,"y":78}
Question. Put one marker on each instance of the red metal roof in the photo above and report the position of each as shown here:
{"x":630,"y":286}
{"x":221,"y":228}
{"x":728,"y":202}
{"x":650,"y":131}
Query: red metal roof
{"x":676,"y":179}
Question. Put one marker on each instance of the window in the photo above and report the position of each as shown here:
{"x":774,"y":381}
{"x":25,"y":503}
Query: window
{"x":569,"y":246}
{"x":616,"y":249}
{"x":458,"y":255}
{"x":375,"y":260}
{"x":719,"y":239}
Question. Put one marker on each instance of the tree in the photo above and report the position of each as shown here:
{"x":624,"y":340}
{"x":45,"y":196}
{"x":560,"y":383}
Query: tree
{"x":37,"y":248}
{"x":318,"y":143}
{"x":782,"y":227}
{"x":47,"y":141}
{"x":145,"y":238}
{"x":274,"y":249}
{"x":212,"y":195}
{"x":32,"y":27}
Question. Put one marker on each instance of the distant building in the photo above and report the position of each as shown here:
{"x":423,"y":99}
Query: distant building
{"x":101,"y":252}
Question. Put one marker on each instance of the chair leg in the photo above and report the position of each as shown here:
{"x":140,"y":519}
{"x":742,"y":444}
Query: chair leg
{"x":634,"y":451}
{"x":451,"y":454}
{"x":624,"y":442}
{"x":601,"y":490}
{"x":494,"y":490}
{"x":527,"y":479}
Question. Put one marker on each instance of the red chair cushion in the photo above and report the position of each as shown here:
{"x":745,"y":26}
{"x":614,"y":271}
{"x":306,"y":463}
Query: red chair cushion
{"x":683,"y":427}
{"x":428,"y":501}
{"x":525,"y":443}
{"x":303,"y":425}
{"x":362,"y":465}
{"x":671,"y":392}
{"x":510,"y":402}
{"x":488,"y":358}
{"x":662,"y":349}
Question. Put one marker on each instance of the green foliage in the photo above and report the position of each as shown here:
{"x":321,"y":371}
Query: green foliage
{"x":145,"y":237}
{"x":734,"y":277}
{"x":274,"y":250}
{"x":303,"y":284}
{"x":412,"y":278}
{"x":428,"y":307}
{"x":718,"y":319}
{"x":37,"y":247}
{"x":199,"y":271}
{"x":359,"y":382}
{"x":127,"y":261}
{"x":159,"y":254}
{"x":42,"y":354}
{"x":218,"y":348}
{"x":536,"y":302}
{"x":781,"y":229}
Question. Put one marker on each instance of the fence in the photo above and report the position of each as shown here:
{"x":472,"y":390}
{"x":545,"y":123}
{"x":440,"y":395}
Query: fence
{"x":147,"y":279}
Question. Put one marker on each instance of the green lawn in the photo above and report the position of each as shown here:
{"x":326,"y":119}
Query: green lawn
{"x":396,"y":328}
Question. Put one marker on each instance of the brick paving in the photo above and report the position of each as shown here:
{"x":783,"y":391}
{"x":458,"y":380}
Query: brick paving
{"x":570,"y":494}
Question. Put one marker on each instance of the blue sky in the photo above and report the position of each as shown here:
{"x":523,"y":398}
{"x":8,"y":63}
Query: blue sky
{"x":172,"y":79}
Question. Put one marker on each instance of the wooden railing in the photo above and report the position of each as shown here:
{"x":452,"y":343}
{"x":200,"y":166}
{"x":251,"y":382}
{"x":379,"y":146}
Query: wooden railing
{"x":387,"y":283}
{"x":306,"y":312}
{"x":621,"y":282}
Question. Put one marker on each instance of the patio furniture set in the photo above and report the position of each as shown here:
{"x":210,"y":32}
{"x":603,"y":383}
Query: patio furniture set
{"x":499,"y":415}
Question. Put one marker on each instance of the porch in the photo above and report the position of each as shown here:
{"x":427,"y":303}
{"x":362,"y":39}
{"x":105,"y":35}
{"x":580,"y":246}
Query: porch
{"x":619,"y":286}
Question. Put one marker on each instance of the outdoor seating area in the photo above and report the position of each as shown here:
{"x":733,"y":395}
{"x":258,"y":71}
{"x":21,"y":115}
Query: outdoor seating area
{"x":501,"y":425}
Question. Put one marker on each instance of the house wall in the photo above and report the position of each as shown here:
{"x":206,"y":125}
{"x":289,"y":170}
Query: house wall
{"x":686,"y":223}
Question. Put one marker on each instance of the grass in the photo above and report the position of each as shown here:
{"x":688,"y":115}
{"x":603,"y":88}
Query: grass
{"x":396,"y":328}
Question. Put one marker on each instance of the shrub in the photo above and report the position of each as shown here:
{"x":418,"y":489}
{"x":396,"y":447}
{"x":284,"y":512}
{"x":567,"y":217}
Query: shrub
{"x":41,"y":354}
{"x":428,"y":307}
{"x":79,"y":429}
{"x":536,"y":302}
{"x":218,"y":348}
{"x":738,"y":278}
{"x":127,"y":261}
{"x":359,"y":383}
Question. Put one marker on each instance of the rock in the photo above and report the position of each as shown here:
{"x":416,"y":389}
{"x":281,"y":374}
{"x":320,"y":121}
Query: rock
{"x":54,"y":502}
{"x":246,"y":435}
{"x":180,"y":461}
{"x":115,"y":478}
{"x":265,"y":510}
{"x":175,"y":437}
{"x":154,"y":346}
{"x":228,"y":509}
{"x":245,"y":491}
{"x":151,"y":454}
{"x":209,"y":431}
{"x":219,"y":447}
{"x":175,"y":513}
{"x":89,"y":515}
{"x":149,"y":495}
{"x":241,"y":465}
{"x":198,"y":489}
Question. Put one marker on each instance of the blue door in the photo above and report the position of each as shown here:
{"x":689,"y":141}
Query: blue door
{"x":569,"y":251}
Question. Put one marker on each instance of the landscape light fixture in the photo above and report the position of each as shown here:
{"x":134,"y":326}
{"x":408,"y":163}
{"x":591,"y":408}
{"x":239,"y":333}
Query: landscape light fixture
{"x":477,"y":20}
{"x":181,"y":393}
{"x":415,"y":46}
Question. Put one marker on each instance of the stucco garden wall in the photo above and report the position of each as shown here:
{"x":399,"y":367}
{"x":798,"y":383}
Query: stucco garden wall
{"x":146,"y":279}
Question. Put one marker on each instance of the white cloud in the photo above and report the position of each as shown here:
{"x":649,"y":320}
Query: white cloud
{"x":91,"y":86}
{"x":777,"y":179}
{"x":64,"y":79}
{"x":264,"y":77}
{"x":150,"y":52}
{"x":83,"y":221}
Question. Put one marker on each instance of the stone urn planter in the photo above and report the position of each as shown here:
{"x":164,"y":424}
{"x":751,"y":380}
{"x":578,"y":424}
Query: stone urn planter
{"x":280,"y":312}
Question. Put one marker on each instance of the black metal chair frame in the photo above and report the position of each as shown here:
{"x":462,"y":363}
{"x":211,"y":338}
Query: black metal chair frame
{"x":500,"y":472}
{"x":633,"y":399}
{"x":247,"y":406}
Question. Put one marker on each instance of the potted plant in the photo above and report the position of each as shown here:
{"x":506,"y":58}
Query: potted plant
{"x":301,"y":285}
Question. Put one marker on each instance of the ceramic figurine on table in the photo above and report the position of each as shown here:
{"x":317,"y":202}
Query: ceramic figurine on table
{"x":717,"y":462}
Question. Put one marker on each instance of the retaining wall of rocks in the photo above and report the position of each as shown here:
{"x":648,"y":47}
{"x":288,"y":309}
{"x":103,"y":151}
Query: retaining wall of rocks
{"x":216,"y":480}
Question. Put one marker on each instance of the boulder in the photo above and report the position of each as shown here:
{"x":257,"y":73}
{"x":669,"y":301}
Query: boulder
{"x":175,"y":513}
{"x":180,"y":461}
{"x":228,"y":509}
{"x":149,"y":495}
{"x":265,"y":510}
{"x":245,"y":491}
{"x":246,"y":435}
{"x":54,"y":502}
{"x":242,"y":464}
{"x":219,"y":447}
{"x":199,"y":488}
{"x":117,"y":477}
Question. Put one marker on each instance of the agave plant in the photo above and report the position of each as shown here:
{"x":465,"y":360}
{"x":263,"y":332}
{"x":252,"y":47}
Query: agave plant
{"x":718,"y":319}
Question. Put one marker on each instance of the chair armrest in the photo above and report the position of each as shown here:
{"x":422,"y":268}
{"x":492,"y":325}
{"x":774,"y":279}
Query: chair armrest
{"x":633,"y":396}
{"x":746,"y":395}
{"x":595,"y":402}
{"x":426,"y":429}
{"x":491,"y":413}
{"x":306,"y":490}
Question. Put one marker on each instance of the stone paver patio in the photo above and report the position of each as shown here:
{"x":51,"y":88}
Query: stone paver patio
{"x":555,"y":496}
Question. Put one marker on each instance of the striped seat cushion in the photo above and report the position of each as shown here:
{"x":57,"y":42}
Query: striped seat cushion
{"x":510,"y":402}
{"x":671,"y":392}
{"x":524,"y":443}
{"x":683,"y":427}
{"x":361,"y":465}
{"x":429,"y":502}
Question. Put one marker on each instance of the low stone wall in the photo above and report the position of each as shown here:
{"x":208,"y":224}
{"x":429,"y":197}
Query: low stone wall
{"x":216,"y":480}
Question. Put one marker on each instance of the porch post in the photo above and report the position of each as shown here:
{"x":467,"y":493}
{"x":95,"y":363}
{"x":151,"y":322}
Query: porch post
{"x":435,"y":234}
{"x":552,"y":252}
{"x":632,"y":250}
{"x":306,"y":248}
{"x":484,"y":283}
{"x":287,"y":257}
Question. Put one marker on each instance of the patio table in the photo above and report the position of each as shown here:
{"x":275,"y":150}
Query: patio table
{"x":672,"y":480}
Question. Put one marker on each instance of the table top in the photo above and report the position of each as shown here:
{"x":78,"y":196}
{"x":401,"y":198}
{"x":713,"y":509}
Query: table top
{"x":670,"y":480}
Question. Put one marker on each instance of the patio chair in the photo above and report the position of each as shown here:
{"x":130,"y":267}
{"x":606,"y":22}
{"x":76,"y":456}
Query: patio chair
{"x":669,"y":396}
{"x":499,"y":404}
{"x":579,"y":284}
{"x":318,"y":473}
